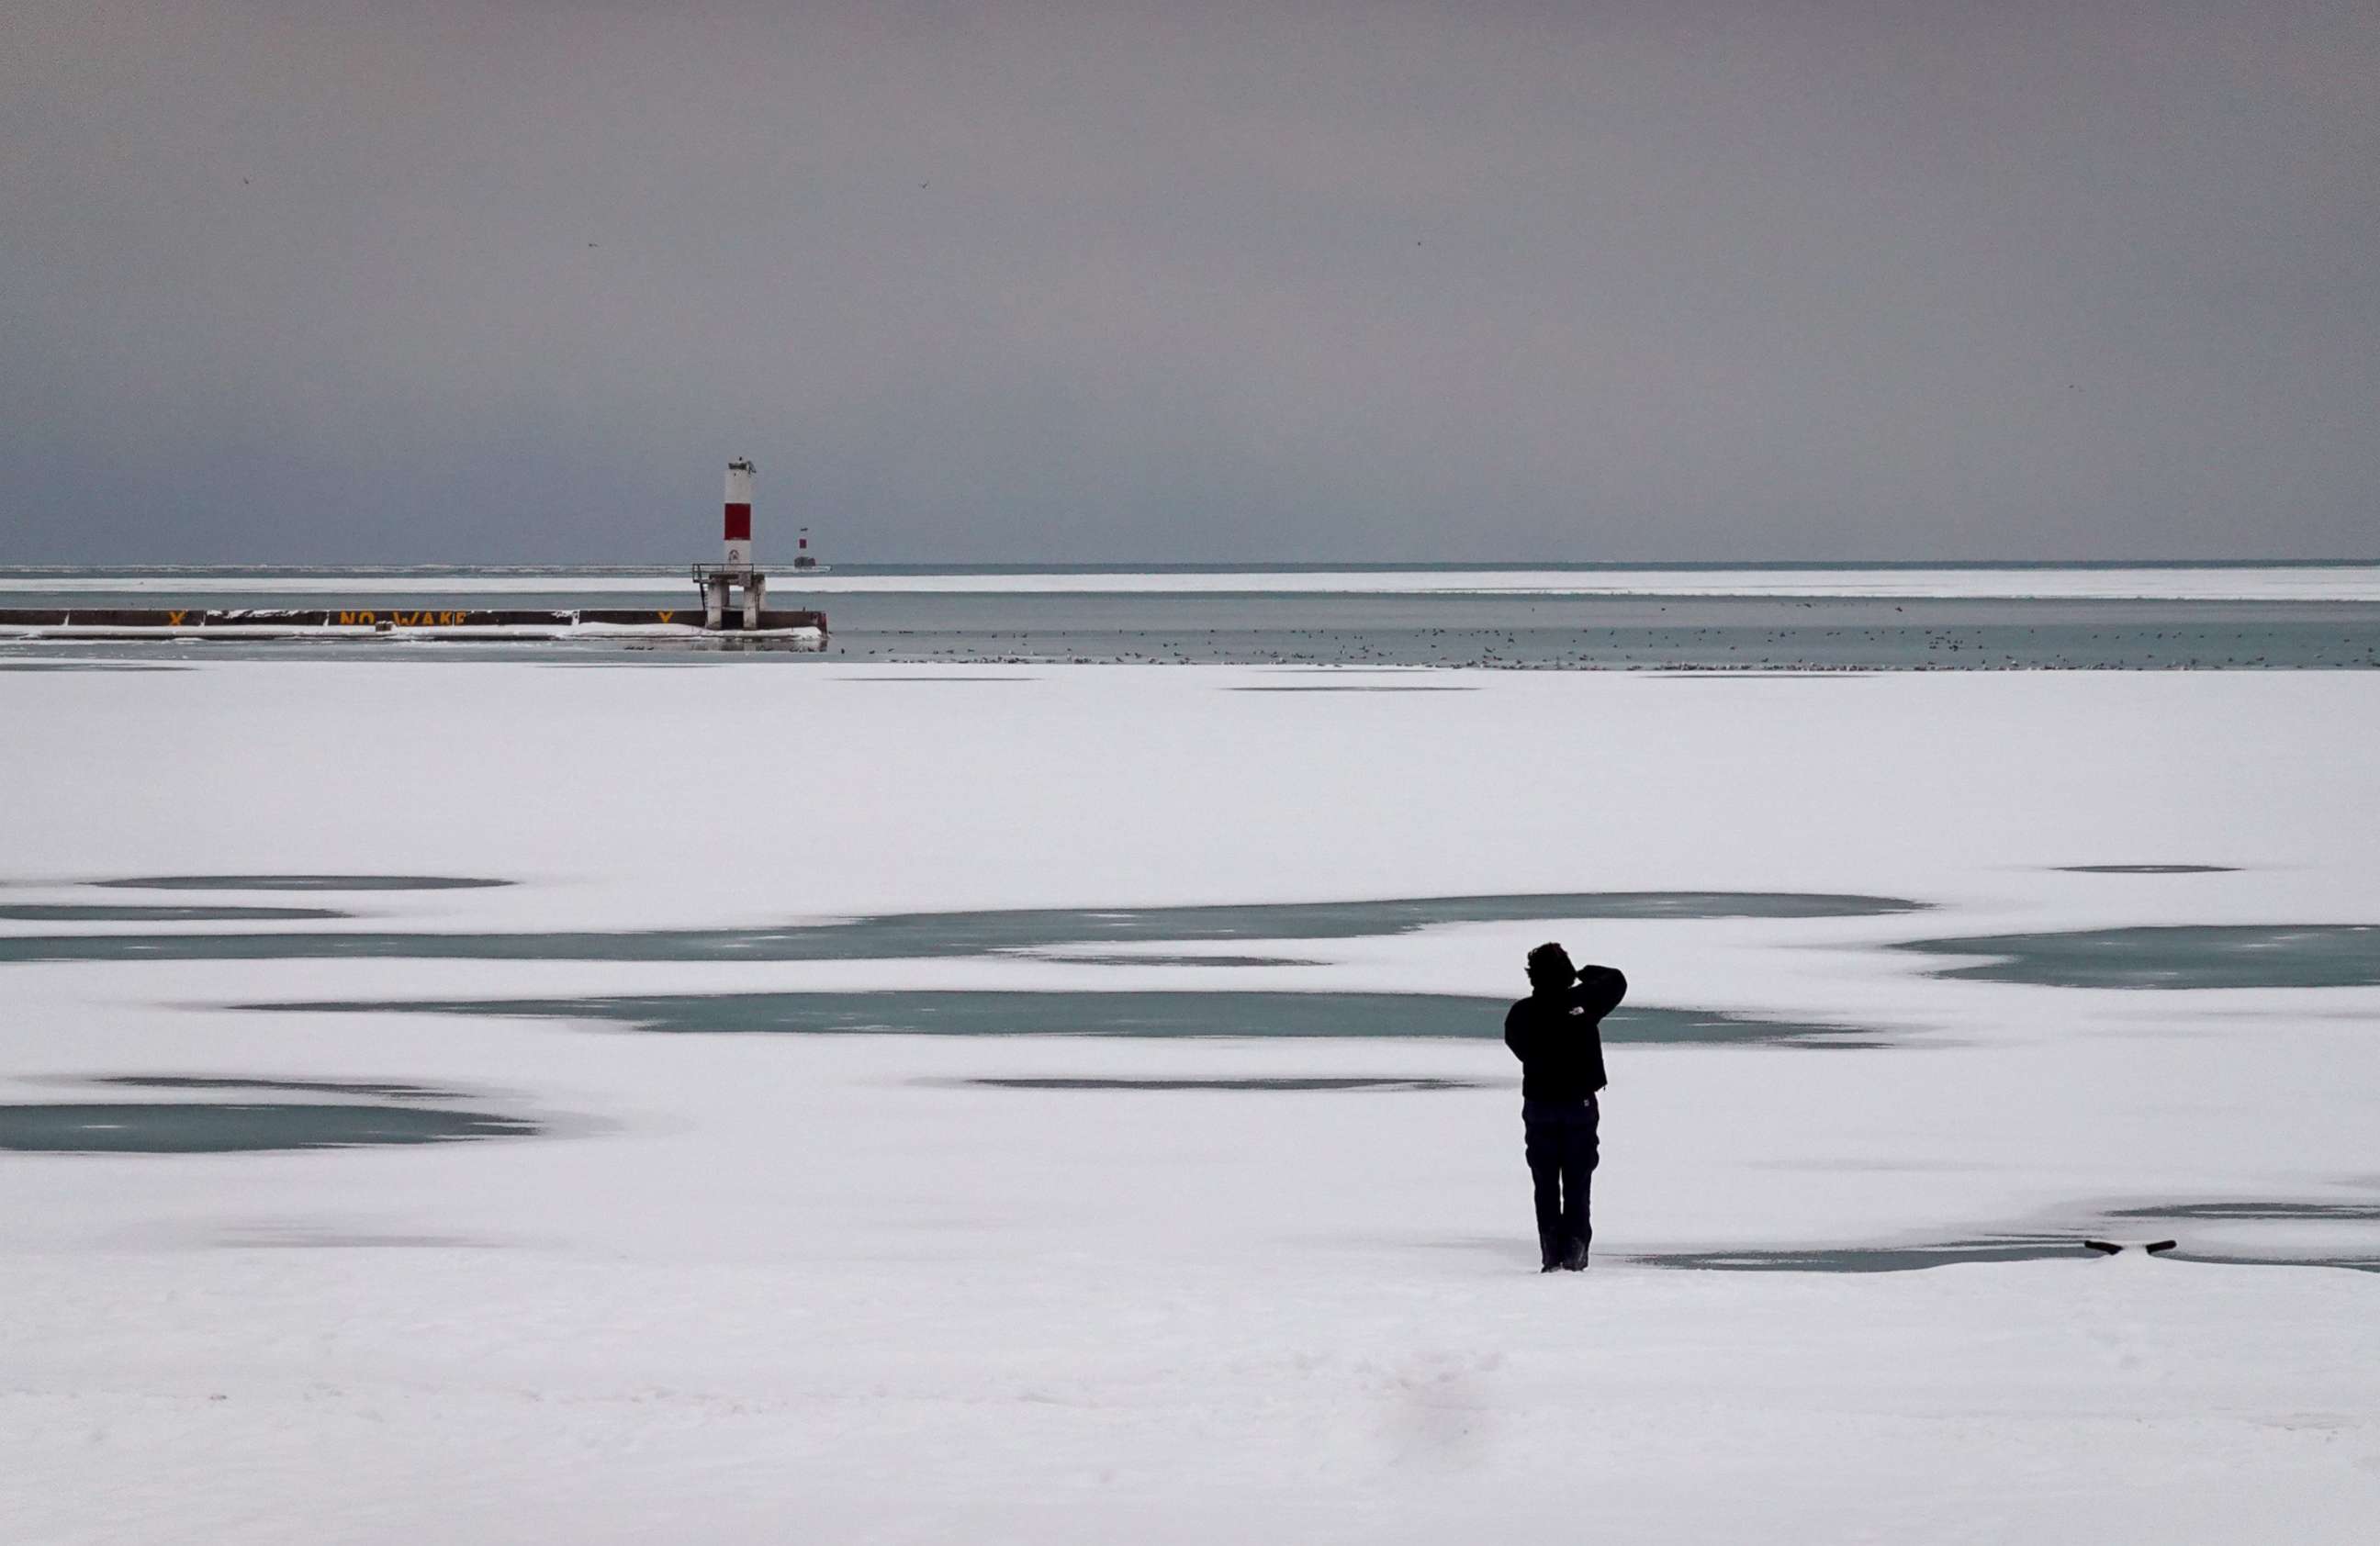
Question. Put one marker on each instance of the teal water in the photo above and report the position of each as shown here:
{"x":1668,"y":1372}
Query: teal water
{"x":2149,"y":869}
{"x":1949,"y":1253}
{"x":1287,"y":1085}
{"x":944,"y":934}
{"x":2255,"y":1211}
{"x":1877,"y":1258}
{"x":238,"y":1127}
{"x":300,"y":883}
{"x":2176,"y":957}
{"x":130,"y":912}
{"x":2167,"y":1220}
{"x":376,"y":1087}
{"x":958,"y":1012}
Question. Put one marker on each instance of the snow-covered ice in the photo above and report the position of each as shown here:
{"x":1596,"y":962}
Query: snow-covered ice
{"x":771,"y":1287}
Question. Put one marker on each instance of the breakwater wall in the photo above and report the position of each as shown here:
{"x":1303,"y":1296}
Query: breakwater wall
{"x":380,"y":618}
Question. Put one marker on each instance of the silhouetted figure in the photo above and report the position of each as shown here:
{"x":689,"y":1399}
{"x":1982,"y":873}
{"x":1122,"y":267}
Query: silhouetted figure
{"x":1553,"y":1032}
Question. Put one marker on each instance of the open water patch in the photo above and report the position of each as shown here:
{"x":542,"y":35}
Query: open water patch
{"x":133,"y":913}
{"x":1063,"y":959}
{"x":958,"y":1012}
{"x":241,"y":1127}
{"x":2256,"y":1213}
{"x":917,"y":936}
{"x":302,"y":883}
{"x":2246,"y":1232}
{"x":1876,"y":1257}
{"x":1289,"y":1083}
{"x":1916,"y":1257}
{"x":307,"y":1238}
{"x":2171,"y":956}
{"x":2147,"y":869}
{"x":373,"y":1089}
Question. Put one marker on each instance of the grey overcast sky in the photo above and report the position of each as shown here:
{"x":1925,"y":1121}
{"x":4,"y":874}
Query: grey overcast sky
{"x":456,"y":281}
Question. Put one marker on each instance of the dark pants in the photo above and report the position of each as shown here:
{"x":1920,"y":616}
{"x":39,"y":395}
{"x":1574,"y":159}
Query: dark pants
{"x":1561,"y":1151}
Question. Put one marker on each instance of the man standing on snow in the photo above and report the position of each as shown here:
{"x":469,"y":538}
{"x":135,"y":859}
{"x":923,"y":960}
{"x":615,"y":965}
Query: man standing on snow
{"x":1553,"y":1032}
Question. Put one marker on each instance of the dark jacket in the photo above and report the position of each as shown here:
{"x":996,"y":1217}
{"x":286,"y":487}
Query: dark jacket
{"x":1554,"y":1035}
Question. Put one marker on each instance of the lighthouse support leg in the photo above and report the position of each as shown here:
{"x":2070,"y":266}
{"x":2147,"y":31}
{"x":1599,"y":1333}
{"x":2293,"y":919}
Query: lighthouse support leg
{"x":756,"y":591}
{"x":715,"y":603}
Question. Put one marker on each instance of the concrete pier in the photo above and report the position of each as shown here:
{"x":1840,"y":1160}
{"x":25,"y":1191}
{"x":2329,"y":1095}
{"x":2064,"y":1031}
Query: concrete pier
{"x":463,"y":623}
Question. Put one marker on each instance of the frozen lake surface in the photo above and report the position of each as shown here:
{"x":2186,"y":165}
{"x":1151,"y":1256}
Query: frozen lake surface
{"x":1080,"y":1115}
{"x":1782,"y":617}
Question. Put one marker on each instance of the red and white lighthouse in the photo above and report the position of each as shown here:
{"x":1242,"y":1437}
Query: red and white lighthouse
{"x":719,"y":581}
{"x":739,"y":514}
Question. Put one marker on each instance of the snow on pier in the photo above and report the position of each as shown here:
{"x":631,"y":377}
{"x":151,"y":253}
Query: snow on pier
{"x":467,"y":623}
